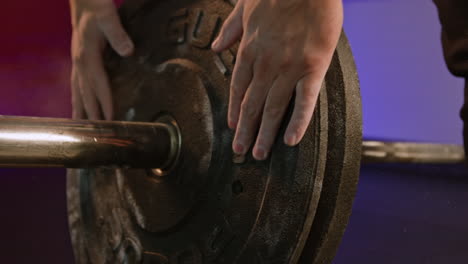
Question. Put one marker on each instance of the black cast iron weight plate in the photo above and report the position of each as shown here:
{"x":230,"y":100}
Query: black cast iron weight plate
{"x":292,"y":207}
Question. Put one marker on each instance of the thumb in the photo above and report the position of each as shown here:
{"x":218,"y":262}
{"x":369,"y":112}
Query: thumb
{"x":231,"y":30}
{"x":109,"y":22}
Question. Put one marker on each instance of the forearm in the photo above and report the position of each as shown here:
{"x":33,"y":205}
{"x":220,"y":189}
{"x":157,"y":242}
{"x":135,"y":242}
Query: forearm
{"x":454,"y":20}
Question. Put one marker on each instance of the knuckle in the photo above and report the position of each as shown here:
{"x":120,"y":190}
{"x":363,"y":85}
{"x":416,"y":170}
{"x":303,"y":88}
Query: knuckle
{"x":309,"y":96}
{"x":79,"y":52}
{"x":78,"y":56}
{"x":286,"y":64}
{"x":267,"y":54}
{"x":246,"y":53}
{"x":273,"y":111}
{"x":298,"y":125}
{"x":313,"y":63}
{"x":226,"y":25}
{"x":264,"y":61}
{"x":262,"y":71}
{"x":109,"y":24}
{"x":249,"y":109}
{"x":104,"y":13}
{"x":235,"y":91}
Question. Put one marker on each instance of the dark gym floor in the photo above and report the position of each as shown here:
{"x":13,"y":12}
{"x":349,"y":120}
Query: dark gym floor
{"x":408,"y":214}
{"x":402,"y":215}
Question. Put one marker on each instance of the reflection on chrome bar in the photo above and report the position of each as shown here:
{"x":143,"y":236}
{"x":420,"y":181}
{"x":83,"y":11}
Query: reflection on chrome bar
{"x":31,"y":136}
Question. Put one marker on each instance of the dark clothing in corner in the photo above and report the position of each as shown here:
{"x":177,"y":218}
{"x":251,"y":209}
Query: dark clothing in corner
{"x":453,"y":16}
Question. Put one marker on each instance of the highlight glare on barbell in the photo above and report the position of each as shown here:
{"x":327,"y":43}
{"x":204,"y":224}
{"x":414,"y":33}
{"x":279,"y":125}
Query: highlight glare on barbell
{"x":36,"y":136}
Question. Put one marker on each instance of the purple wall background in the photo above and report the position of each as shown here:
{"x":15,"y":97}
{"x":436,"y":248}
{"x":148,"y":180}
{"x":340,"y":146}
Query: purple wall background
{"x":34,"y":81}
{"x":398,"y":54}
{"x":407,"y":91}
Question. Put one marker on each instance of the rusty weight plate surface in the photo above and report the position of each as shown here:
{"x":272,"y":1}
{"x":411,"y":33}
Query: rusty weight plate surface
{"x":209,"y":209}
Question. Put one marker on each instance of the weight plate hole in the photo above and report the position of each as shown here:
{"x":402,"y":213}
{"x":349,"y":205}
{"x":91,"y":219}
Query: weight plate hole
{"x":237,"y":187}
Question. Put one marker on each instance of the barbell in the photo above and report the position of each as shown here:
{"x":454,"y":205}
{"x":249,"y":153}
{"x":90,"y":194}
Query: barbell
{"x":163,"y":186}
{"x":53,"y":142}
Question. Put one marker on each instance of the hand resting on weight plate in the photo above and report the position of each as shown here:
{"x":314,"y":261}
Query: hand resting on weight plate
{"x":285,"y":48}
{"x":95,"y":22}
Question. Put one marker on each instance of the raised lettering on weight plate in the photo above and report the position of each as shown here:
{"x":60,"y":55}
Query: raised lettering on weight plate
{"x":177,"y":27}
{"x":225,"y":62}
{"x":205,"y":29}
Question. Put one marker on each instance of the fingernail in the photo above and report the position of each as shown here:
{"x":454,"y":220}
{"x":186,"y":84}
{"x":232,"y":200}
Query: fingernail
{"x":261,"y":153}
{"x":126,"y":48}
{"x":291,"y":140}
{"x":238,"y":148}
{"x":232,"y":124}
{"x":214,"y":45}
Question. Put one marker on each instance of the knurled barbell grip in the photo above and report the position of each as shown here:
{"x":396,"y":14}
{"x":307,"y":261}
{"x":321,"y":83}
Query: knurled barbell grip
{"x":51,"y":142}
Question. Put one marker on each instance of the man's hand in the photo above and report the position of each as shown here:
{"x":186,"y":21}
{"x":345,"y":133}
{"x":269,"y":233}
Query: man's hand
{"x":94,"y":23}
{"x":286,"y":46}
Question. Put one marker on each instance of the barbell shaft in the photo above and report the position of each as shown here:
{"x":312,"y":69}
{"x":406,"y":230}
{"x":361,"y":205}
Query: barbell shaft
{"x":410,"y":152}
{"x":50,"y":142}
